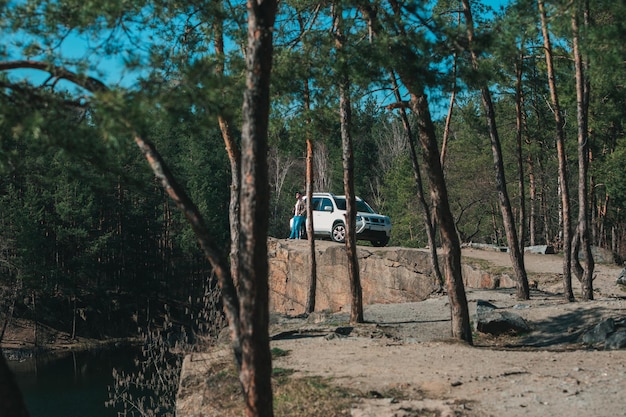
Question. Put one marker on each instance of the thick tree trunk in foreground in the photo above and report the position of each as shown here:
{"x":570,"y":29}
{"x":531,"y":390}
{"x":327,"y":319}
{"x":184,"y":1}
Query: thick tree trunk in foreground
{"x":256,"y":369}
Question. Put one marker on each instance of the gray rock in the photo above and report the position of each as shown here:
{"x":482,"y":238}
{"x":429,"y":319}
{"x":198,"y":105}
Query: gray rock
{"x":484,"y":307}
{"x":621,"y":279}
{"x":490,"y":320}
{"x":616,"y":340}
{"x":599,"y":333}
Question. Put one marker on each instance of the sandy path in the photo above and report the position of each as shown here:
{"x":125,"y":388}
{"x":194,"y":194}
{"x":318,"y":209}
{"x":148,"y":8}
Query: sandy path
{"x":455,"y":379}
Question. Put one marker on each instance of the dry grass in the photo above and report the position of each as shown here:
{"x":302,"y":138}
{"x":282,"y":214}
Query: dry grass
{"x":293,"y":396}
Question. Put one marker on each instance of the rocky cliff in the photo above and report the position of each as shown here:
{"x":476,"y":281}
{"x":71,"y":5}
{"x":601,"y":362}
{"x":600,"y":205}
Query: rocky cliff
{"x":388,"y":275}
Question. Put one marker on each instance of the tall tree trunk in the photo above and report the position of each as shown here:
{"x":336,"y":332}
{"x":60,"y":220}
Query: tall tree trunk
{"x":532,"y":190}
{"x":582,"y":103}
{"x":209,"y":248}
{"x":10,"y":307}
{"x":310,"y":177}
{"x":426,"y":212}
{"x":523,"y":291}
{"x":345,"y":115}
{"x":356,"y":312}
{"x":428,"y":217}
{"x":234,"y":157}
{"x":560,"y":146}
{"x":310,"y":299}
{"x":519,"y":125}
{"x":451,"y":246}
{"x":310,"y":181}
{"x":256,"y":369}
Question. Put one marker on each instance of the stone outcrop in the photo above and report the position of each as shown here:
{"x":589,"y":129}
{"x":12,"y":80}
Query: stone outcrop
{"x":388,"y":275}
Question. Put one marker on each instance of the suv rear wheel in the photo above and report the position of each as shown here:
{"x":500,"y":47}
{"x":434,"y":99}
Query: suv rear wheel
{"x":338,"y":234}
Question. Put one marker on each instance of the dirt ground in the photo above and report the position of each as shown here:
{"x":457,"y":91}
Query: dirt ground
{"x":404,"y":363}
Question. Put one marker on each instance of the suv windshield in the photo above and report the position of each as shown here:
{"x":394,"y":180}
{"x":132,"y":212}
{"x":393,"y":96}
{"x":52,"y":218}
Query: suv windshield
{"x":361,"y":205}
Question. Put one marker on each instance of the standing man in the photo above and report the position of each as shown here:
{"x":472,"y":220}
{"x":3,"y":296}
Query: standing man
{"x":299,"y":214}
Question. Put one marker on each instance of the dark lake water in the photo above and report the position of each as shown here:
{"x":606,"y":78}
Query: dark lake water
{"x":72,"y":385}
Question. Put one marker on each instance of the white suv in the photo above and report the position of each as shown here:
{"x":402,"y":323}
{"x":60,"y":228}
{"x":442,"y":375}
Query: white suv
{"x":329,"y":213}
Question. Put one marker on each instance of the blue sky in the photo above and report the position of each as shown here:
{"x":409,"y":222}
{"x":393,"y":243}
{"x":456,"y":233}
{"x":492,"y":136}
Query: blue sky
{"x":111,"y":69}
{"x":496,"y":4}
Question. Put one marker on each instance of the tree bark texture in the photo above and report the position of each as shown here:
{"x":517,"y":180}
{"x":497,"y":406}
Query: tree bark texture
{"x":256,"y":370}
{"x":310,"y":180}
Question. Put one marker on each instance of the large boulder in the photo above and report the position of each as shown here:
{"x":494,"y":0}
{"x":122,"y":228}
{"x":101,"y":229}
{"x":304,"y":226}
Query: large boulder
{"x":609,"y":332}
{"x":489,"y":319}
{"x":599,"y":333}
{"x":388,"y":275}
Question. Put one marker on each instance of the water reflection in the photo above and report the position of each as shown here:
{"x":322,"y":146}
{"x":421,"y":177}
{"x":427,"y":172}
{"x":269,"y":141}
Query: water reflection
{"x":73,"y":384}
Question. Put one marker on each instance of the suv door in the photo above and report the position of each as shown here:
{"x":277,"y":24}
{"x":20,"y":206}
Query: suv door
{"x":323,"y":217}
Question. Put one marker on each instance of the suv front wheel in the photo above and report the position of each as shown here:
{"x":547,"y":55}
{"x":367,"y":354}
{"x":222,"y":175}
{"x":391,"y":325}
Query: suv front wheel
{"x":338,"y":234}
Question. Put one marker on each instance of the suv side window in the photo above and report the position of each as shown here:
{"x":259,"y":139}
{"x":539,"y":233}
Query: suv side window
{"x":341,"y":203}
{"x":317,"y":203}
{"x":326,"y":205}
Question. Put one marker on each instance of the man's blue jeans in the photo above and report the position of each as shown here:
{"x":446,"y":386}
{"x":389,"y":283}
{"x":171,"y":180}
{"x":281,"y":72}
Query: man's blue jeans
{"x":296,"y":229}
